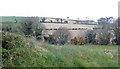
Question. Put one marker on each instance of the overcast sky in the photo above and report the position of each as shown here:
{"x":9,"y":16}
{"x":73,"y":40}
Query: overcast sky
{"x":60,"y":8}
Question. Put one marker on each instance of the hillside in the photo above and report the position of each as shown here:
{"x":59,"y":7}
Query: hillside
{"x":35,"y":54}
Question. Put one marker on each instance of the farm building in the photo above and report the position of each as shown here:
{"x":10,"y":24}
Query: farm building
{"x":75,"y":29}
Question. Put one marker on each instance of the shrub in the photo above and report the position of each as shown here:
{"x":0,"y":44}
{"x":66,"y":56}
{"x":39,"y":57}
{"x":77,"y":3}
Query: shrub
{"x":10,"y":44}
{"x":63,"y":40}
{"x":61,"y":35}
{"x":81,"y":41}
{"x":11,"y":40}
{"x":31,"y":26}
{"x":90,"y":36}
{"x":51,"y":39}
{"x":74,"y":41}
{"x":102,"y":37}
{"x":38,"y":31}
{"x":28,"y":25}
{"x":7,"y":28}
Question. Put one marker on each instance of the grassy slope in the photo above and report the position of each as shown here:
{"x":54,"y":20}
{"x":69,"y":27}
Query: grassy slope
{"x":46,"y":55}
{"x":80,"y":56}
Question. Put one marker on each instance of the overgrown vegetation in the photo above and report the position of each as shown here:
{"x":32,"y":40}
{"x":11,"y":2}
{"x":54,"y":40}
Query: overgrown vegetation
{"x":12,"y":45}
{"x":21,"y":51}
{"x":30,"y":26}
{"x":62,"y":35}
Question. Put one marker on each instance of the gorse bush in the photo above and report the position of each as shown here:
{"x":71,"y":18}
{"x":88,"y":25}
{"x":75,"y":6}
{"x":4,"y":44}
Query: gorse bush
{"x":81,"y":41}
{"x":12,"y":42}
{"x":74,"y":41}
{"x":77,"y":41}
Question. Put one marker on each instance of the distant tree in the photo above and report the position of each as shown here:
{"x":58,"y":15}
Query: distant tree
{"x":81,"y":41}
{"x":63,"y":40}
{"x":27,"y":26}
{"x":51,"y":21}
{"x":38,"y":31}
{"x":116,"y":27}
{"x":43,"y":19}
{"x":90,"y":36}
{"x":57,"y":19}
{"x":74,"y":41}
{"x":118,"y":34}
{"x":65,"y":21}
{"x":51,"y":39}
{"x":62,"y":35}
{"x":103,"y":21}
{"x":31,"y":24}
{"x":61,"y":20}
{"x":103,"y":37}
{"x":109,"y":19}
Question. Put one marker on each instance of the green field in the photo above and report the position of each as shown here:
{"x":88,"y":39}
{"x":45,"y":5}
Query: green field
{"x":85,"y":56}
{"x":46,"y":55}
{"x":38,"y":54}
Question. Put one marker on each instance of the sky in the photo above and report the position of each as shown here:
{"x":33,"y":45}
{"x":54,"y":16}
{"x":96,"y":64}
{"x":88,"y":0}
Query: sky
{"x":74,"y":9}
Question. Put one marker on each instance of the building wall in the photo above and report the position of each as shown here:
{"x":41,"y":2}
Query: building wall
{"x":76,"y":30}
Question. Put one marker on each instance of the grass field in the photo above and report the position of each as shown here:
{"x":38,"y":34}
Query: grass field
{"x":64,"y":56}
{"x":75,"y":56}
{"x":46,"y":55}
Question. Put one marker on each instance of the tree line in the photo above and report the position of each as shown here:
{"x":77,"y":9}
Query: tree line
{"x":30,"y":26}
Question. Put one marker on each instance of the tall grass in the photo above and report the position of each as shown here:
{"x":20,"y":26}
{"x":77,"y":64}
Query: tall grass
{"x":38,"y":54}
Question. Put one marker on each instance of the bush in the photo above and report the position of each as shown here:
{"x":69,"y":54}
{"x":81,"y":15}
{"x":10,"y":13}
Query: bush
{"x":50,"y":39}
{"x":28,"y":25}
{"x":7,"y":28}
{"x":81,"y":41}
{"x":74,"y":41}
{"x":90,"y":36}
{"x":10,"y":44}
{"x":31,"y":26}
{"x":38,"y":32}
{"x":102,"y":37}
{"x":11,"y":41}
{"x":61,"y":35}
